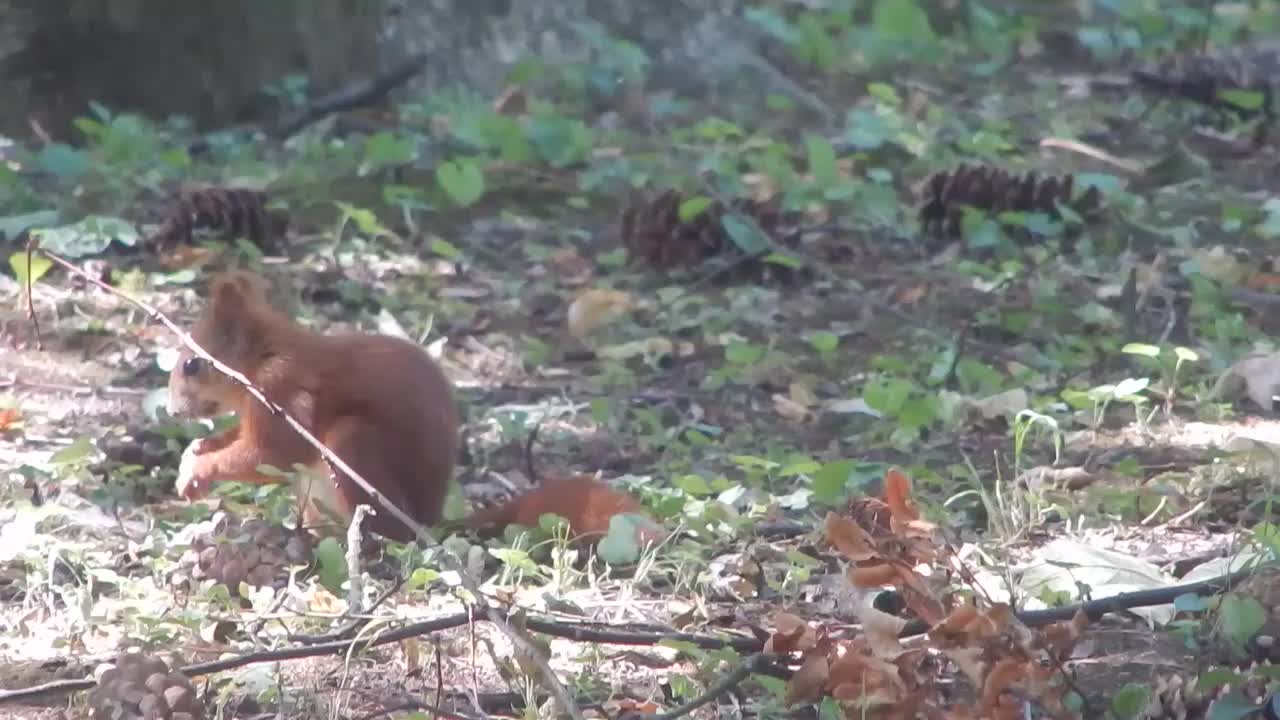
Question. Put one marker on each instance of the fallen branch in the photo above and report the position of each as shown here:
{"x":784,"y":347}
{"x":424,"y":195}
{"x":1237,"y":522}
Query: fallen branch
{"x":582,"y":632}
{"x":337,"y":465}
{"x":359,"y":94}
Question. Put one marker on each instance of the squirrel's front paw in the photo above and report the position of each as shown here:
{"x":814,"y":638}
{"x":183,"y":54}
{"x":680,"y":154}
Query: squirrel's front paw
{"x":188,"y":485}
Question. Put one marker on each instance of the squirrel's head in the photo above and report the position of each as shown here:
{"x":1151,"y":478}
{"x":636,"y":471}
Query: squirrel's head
{"x":226,"y":330}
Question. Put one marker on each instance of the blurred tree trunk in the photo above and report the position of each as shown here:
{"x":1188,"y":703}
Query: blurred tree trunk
{"x":210,"y":61}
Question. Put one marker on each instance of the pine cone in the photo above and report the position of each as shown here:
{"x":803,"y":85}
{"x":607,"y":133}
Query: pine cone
{"x":994,"y":190}
{"x":141,"y":687}
{"x":654,"y":235}
{"x":1175,"y":697}
{"x":235,"y":211}
{"x":1202,"y":77}
{"x":254,"y":551}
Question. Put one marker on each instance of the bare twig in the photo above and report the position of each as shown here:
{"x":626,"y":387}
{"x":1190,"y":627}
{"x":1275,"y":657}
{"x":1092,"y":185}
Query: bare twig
{"x":349,"y":630}
{"x":355,"y":583}
{"x":727,"y":683}
{"x":31,"y":307}
{"x":362,"y":93}
{"x":336,"y":463}
{"x":1128,"y":166}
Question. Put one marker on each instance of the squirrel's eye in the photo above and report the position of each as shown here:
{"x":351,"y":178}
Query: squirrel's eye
{"x":192,"y":366}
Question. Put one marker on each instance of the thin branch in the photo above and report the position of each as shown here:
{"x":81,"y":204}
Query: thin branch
{"x":359,"y":94}
{"x":453,"y":563}
{"x":727,"y":683}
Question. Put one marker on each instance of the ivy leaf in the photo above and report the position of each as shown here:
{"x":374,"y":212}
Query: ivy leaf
{"x":39,"y":266}
{"x":462,"y":180}
{"x":90,"y":236}
{"x":621,"y":545}
{"x":902,"y":20}
{"x":749,"y":238}
{"x":693,"y":207}
{"x":332,"y":564}
{"x":822,"y":160}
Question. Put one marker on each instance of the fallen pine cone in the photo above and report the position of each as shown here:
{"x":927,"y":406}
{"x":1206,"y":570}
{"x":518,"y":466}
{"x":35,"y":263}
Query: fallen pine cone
{"x":253,"y":551}
{"x":141,"y":687}
{"x":654,"y":235}
{"x":234,"y":211}
{"x":1208,"y":78}
{"x":944,"y":196}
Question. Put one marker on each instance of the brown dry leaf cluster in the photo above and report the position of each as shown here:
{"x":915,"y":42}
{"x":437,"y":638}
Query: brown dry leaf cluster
{"x":995,"y":190}
{"x":654,"y":234}
{"x":875,"y":676}
{"x":238,"y":211}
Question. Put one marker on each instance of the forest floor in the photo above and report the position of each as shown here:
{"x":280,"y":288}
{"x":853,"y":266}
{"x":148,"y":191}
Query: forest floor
{"x":1058,"y":413}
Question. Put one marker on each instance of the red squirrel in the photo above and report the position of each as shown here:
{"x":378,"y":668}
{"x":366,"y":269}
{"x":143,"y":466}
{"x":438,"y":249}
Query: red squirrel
{"x":379,"y":402}
{"x":586,"y":503}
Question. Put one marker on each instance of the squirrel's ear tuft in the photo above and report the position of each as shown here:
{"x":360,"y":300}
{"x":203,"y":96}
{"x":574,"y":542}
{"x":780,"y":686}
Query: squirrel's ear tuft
{"x":230,"y":296}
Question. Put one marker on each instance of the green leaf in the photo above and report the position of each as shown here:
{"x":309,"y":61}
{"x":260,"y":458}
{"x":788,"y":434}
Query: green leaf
{"x":73,"y":453}
{"x":884,"y":92}
{"x":1186,"y":354}
{"x":332,"y":565}
{"x":1243,"y":99}
{"x":740,"y":353}
{"x":386,"y":149}
{"x":11,"y":226}
{"x":1129,"y":701}
{"x":90,"y":236}
{"x":366,"y":221}
{"x":462,"y":180}
{"x":39,"y":266}
{"x":421,"y":578}
{"x":887,"y":395}
{"x":621,"y":545}
{"x":831,"y":481}
{"x":695,"y":485}
{"x":62,"y":160}
{"x":1130,"y":386}
{"x":693,"y":207}
{"x":746,"y":235}
{"x":444,"y":248}
{"x":822,"y":160}
{"x":1241,"y":617}
{"x":901,"y":20}
{"x":1190,"y":603}
{"x":867,"y":130}
{"x":824,"y":341}
{"x":1232,"y":706}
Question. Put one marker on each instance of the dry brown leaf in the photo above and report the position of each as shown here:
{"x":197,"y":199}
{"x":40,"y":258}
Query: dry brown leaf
{"x":881,"y":631}
{"x":1004,"y":676}
{"x":571,"y":268}
{"x":911,"y":294}
{"x":851,"y":540}
{"x":897,"y":494}
{"x":788,"y":408}
{"x":870,"y":576}
{"x":790,"y":634}
{"x":10,"y":419}
{"x":595,"y":308}
{"x":807,"y":684}
{"x":184,"y":257}
{"x":513,"y":101}
{"x":1060,"y":638}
